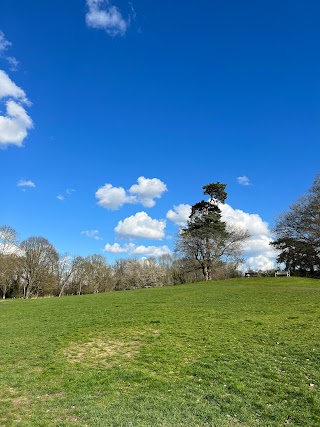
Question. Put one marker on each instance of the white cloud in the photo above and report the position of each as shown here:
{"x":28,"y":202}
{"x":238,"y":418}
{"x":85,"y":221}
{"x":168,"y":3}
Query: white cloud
{"x":24,"y":183}
{"x":252,"y":222}
{"x":9,"y":89}
{"x":259,"y":262}
{"x":102,"y":15}
{"x":144,"y":192}
{"x":92,"y":234}
{"x":243,"y":180}
{"x":117,"y":249}
{"x":70,"y":190}
{"x":132,"y":249}
{"x":258,"y":253}
{"x":154,"y":251}
{"x":13,"y":63}
{"x":180,"y":214}
{"x":112,"y":197}
{"x":62,"y":197}
{"x":14,"y":125}
{"x":147,"y":190}
{"x":4,"y":43}
{"x":141,"y":225}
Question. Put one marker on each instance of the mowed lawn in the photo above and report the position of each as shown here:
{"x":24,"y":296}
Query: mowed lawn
{"x":240,"y":352}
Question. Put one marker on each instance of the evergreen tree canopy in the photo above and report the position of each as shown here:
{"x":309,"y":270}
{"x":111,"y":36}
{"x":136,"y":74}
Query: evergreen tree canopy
{"x":207,"y":242}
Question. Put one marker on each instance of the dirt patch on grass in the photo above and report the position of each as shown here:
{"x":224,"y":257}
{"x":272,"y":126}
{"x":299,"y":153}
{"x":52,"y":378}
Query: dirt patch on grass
{"x":11,"y":395}
{"x":99,"y":352}
{"x":15,"y":400}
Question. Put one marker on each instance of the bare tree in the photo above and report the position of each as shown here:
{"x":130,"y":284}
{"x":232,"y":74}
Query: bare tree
{"x":39,"y":265}
{"x":9,"y":259}
{"x":65,"y":271}
{"x":99,"y":273}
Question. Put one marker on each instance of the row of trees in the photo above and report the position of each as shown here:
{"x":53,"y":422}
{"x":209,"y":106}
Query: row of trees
{"x":206,"y":249}
{"x":297,"y":233}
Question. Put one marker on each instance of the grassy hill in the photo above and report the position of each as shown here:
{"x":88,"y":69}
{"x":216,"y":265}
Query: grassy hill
{"x":241,"y":352}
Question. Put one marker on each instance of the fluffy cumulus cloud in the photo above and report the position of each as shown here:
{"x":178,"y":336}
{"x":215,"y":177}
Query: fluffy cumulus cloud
{"x":144,"y":192}
{"x":92,"y":234}
{"x":180,"y":214}
{"x":112,"y":198}
{"x":15,"y":123}
{"x":259,"y":262}
{"x":9,"y":89}
{"x":151,"y":250}
{"x":117,"y":249}
{"x":258,"y":253}
{"x":103,"y":15}
{"x":243,"y":180}
{"x":147,"y":190}
{"x":141,"y":225}
{"x":132,"y":249}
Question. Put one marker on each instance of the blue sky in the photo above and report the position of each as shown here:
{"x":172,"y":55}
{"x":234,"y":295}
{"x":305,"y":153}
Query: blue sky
{"x":113,"y":115}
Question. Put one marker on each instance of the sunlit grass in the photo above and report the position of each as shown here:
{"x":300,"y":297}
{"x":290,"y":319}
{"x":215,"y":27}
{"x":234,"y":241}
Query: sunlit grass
{"x":243,"y":352}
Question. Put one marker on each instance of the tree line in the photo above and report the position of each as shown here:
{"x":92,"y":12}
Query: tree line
{"x":207,"y":248}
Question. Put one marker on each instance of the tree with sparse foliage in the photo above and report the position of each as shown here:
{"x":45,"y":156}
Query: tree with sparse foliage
{"x":39,"y":266}
{"x":9,"y":259}
{"x":99,"y":274}
{"x":207,"y":242}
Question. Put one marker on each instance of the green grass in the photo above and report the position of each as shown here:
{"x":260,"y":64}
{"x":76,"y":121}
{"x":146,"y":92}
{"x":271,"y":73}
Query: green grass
{"x":241,"y":352}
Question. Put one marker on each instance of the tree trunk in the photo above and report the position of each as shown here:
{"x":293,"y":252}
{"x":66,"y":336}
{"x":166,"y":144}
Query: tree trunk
{"x":205,"y":272}
{"x":62,"y":289}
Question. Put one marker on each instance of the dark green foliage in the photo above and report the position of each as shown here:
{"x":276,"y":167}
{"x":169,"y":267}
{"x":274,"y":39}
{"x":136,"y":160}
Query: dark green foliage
{"x":300,"y":257}
{"x":298,"y":233}
{"x":216,"y":191}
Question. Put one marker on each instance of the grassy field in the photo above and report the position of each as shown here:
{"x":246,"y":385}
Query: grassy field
{"x":241,"y":352}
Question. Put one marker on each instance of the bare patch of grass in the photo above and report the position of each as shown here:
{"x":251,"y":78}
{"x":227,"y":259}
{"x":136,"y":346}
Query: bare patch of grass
{"x":98,"y":352}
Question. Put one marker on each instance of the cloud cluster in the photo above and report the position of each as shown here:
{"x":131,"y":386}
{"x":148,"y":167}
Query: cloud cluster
{"x":62,"y":197}
{"x":104,"y":16}
{"x":132,"y":249}
{"x":144,"y":192}
{"x":258,"y":253}
{"x":141,"y":225}
{"x":14,"y":125}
